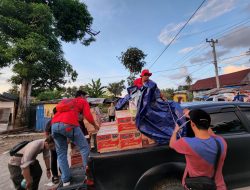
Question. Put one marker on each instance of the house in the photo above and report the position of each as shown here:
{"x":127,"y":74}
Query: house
{"x":239,"y":80}
{"x":8,"y":107}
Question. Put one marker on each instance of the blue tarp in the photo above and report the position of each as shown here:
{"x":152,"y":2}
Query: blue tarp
{"x":155,"y":117}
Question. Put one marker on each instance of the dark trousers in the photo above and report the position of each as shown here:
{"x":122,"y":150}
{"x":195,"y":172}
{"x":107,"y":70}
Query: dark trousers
{"x":53,"y":163}
{"x":17,"y":177}
{"x":111,"y":118}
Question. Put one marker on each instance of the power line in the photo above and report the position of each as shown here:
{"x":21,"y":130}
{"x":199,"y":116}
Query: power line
{"x":178,"y":33}
{"x":219,"y":36}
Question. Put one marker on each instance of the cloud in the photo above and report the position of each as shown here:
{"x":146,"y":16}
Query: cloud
{"x":232,"y":68}
{"x":208,"y":56}
{"x":6,"y":74}
{"x":213,"y":9}
{"x":186,"y":50}
{"x":168,"y":32}
{"x":238,"y":38}
{"x":209,"y":11}
{"x":247,"y":8}
{"x":183,"y":72}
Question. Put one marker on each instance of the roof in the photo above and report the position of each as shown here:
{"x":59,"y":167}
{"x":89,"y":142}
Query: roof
{"x":231,"y":79}
{"x":7,"y":97}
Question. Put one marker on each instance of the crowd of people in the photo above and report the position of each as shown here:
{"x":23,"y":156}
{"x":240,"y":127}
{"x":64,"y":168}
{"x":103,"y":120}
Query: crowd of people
{"x":200,"y":151}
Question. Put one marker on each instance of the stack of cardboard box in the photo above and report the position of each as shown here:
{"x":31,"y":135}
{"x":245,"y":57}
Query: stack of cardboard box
{"x":121,"y":134}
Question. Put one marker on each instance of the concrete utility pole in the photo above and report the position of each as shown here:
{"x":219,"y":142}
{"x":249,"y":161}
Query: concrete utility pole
{"x":212,"y":44}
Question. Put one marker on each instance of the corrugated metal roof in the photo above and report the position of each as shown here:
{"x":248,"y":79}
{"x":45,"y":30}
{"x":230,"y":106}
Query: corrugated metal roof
{"x":232,"y":79}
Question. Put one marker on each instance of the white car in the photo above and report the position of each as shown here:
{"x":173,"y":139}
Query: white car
{"x":216,"y":98}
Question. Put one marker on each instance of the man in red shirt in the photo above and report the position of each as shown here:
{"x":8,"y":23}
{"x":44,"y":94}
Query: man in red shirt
{"x":65,"y":125}
{"x":145,"y":74}
{"x":200,"y":151}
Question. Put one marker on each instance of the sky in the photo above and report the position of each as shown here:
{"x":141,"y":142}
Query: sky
{"x":150,"y":26}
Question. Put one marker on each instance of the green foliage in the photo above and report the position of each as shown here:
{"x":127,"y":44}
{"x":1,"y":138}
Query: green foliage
{"x":29,"y":41}
{"x":131,"y":79}
{"x":183,"y":87}
{"x":50,"y":95}
{"x":168,"y":93}
{"x":189,"y":81}
{"x":14,"y":90}
{"x":95,"y":89}
{"x":133,"y":59}
{"x":116,"y":88}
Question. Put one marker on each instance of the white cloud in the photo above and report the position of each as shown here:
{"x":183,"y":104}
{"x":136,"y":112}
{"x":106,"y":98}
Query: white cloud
{"x":186,"y":50}
{"x":167,"y":34}
{"x":208,"y":56}
{"x":213,"y":9}
{"x":209,"y":11}
{"x":183,"y":72}
{"x":236,"y":39}
{"x":233,"y":68}
{"x":247,"y":8}
{"x":6,"y":73}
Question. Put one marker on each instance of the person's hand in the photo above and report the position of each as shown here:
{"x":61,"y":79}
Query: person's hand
{"x":28,"y":183}
{"x":177,"y":128}
{"x":186,"y":112}
{"x":48,"y":174}
{"x":96,"y":127}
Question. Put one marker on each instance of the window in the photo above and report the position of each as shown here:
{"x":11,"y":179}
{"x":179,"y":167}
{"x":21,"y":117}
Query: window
{"x":221,"y":99}
{"x":226,"y":122}
{"x":209,"y":99}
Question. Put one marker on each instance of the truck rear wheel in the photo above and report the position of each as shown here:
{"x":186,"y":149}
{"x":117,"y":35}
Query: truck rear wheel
{"x":168,"y":184}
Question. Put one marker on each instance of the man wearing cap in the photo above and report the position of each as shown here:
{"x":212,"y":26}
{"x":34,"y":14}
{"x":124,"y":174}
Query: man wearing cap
{"x":200,"y":151}
{"x":139,"y":82}
{"x":145,"y":74}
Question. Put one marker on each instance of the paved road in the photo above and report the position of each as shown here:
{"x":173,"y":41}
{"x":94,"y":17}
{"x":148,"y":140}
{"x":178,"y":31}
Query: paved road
{"x":6,"y":183}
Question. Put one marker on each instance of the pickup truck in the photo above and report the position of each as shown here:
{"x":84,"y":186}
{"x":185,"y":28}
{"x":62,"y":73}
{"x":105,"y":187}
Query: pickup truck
{"x":160,"y":167}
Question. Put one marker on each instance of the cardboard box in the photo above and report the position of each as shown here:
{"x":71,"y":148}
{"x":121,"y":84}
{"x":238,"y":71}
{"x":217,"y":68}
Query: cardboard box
{"x":147,"y":142}
{"x":108,"y":124}
{"x":126,"y":127}
{"x":97,"y":118}
{"x":130,"y":140}
{"x":76,"y":158}
{"x":107,"y":139}
{"x":123,"y":116}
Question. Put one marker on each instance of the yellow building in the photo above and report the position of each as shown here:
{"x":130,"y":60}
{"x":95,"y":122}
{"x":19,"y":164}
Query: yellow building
{"x":180,"y":96}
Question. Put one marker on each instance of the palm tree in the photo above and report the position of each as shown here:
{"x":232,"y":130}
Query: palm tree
{"x":95,"y":89}
{"x":189,"y":80}
{"x":116,"y":88}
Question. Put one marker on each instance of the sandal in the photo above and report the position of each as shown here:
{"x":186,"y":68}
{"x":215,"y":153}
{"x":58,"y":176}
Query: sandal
{"x":55,"y":179}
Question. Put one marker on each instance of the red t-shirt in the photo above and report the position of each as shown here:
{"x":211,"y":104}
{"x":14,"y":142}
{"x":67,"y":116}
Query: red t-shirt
{"x":200,"y":157}
{"x":71,"y":117}
{"x":138,"y":82}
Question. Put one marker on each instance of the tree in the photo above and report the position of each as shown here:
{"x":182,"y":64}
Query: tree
{"x":189,"y":81}
{"x":133,"y":60}
{"x":14,"y":90}
{"x":182,"y":87}
{"x":95,"y":89}
{"x":49,"y":95}
{"x":29,"y":40}
{"x":168,"y":93}
{"x":116,"y":88}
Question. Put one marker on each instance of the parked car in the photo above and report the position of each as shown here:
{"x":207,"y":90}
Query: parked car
{"x":216,"y":98}
{"x":161,"y":168}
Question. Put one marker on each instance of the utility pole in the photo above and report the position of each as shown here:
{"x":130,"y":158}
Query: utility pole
{"x":212,"y":43}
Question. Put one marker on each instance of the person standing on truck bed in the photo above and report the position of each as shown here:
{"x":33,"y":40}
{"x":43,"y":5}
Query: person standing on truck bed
{"x":65,"y":125}
{"x":200,"y":151}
